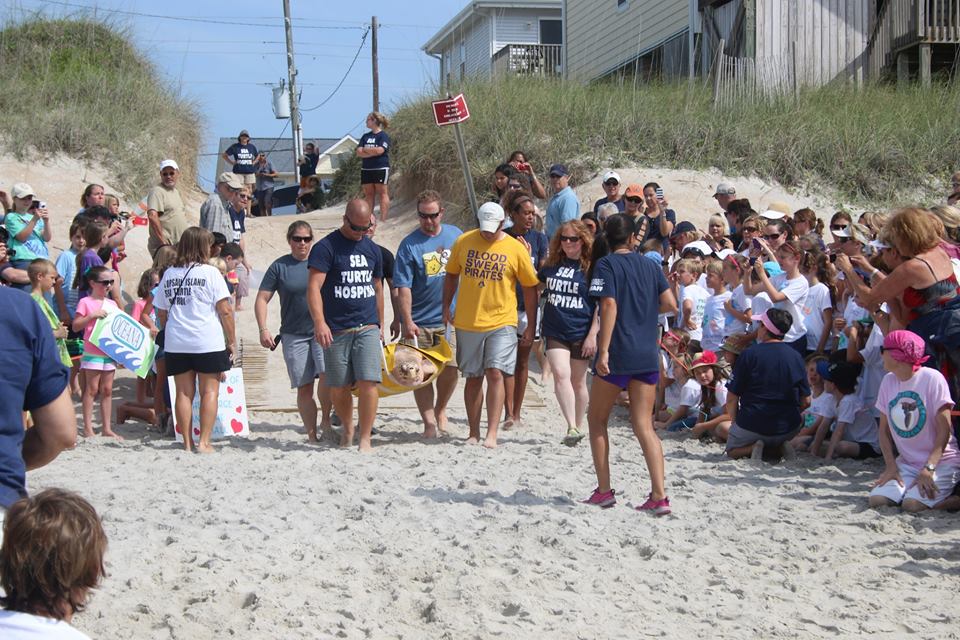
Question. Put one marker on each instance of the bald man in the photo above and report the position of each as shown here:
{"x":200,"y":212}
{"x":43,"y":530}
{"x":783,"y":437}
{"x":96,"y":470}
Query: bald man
{"x":345,"y":296}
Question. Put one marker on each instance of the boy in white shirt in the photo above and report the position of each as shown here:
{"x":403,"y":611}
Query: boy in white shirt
{"x":693,"y":301}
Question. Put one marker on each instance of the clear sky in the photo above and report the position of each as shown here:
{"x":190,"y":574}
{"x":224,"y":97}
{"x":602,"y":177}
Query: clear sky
{"x":228,"y":68}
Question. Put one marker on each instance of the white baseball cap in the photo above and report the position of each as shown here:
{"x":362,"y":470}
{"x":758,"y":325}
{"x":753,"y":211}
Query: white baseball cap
{"x":698,"y":245}
{"x":611,"y":175}
{"x":169,"y":163}
{"x":490,"y":216}
{"x":21,"y":190}
{"x":770,"y":214}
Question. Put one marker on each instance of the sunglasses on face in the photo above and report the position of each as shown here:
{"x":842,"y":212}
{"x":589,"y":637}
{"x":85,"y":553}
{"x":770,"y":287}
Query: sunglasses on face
{"x":243,"y":196}
{"x":106,"y":283}
{"x":569,"y":238}
{"x":168,"y":174}
{"x":428,"y":216}
{"x":635,"y":200}
{"x":303,"y":239}
{"x":611,"y":183}
{"x":771,"y":236}
{"x":358,"y":228}
{"x":750,"y":229}
{"x":838,"y":227}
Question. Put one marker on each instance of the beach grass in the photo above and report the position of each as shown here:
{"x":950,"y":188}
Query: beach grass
{"x":878,"y":146}
{"x":79,"y":86}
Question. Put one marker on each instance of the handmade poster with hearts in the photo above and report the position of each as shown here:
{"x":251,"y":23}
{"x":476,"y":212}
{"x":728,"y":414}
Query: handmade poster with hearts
{"x":232,"y":419}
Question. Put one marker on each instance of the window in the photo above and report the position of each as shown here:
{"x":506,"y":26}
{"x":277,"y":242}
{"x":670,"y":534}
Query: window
{"x":622,"y":4}
{"x":551,"y":32}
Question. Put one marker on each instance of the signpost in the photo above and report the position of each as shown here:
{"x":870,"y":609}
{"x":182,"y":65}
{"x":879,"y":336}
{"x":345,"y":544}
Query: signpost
{"x":453,"y":111}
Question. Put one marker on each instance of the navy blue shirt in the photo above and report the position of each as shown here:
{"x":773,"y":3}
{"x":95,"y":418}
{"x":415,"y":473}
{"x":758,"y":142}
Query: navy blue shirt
{"x":237,"y":222}
{"x":770,"y":379}
{"x":621,"y":203}
{"x":349,"y":299}
{"x":33,"y":377}
{"x":636,"y":283}
{"x":539,"y":245}
{"x":568,"y":311}
{"x":653,"y":226}
{"x":244,"y":156}
{"x":369,"y":140}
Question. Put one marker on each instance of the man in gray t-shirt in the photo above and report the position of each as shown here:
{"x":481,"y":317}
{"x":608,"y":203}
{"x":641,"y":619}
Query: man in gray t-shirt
{"x":288,"y":276}
{"x":265,"y":177}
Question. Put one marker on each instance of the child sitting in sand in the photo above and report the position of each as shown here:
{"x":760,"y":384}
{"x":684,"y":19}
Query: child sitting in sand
{"x":822,"y":405}
{"x":51,"y":558}
{"x":673,"y":348}
{"x":712,"y":411}
{"x":855,"y":429}
{"x":915,"y":405}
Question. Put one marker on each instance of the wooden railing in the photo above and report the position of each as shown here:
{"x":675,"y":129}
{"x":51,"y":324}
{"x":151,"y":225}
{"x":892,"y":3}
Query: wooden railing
{"x":529,"y":59}
{"x":906,"y":23}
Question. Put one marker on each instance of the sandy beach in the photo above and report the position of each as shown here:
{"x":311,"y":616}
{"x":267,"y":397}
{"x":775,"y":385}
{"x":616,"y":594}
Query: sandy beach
{"x":272,"y":537}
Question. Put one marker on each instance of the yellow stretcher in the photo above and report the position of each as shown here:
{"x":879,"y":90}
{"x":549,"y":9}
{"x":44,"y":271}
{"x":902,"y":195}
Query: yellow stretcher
{"x":392,"y":384}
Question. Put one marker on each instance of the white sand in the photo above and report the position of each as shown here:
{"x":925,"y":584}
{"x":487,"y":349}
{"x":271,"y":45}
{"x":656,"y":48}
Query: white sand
{"x":274,"y":538}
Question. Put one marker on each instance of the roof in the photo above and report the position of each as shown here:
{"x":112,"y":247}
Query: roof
{"x":476,"y":6}
{"x":279,"y":150}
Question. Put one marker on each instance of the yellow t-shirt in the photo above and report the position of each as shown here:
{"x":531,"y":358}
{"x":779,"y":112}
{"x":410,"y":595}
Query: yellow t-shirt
{"x":489,"y":273}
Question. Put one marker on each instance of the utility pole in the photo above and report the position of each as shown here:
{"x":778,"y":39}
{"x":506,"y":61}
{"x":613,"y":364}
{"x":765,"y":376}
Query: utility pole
{"x":295,"y":123}
{"x":376,"y":68}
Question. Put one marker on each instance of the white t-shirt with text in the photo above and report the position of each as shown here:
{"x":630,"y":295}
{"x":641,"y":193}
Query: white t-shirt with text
{"x":192,"y":323}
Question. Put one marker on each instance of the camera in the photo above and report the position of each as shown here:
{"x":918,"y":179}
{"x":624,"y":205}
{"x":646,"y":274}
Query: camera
{"x":753,"y":260}
{"x":124,"y":215}
{"x":833,"y":257}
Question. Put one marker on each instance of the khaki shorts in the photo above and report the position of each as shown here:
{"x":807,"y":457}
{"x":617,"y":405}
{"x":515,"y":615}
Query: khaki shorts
{"x":430,"y":337}
{"x":247,"y":178}
{"x":478,"y":351}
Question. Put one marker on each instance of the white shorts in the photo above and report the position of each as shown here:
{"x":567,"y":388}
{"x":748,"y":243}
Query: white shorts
{"x":945,"y":477}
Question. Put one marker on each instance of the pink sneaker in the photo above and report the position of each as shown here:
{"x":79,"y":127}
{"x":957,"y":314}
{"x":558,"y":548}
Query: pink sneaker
{"x":657,"y":507}
{"x":602,"y":500}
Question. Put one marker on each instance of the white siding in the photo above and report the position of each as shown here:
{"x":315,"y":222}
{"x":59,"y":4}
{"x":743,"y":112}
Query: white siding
{"x":830,"y":37}
{"x":600,"y":37}
{"x":477,"y":39}
{"x":520,"y":26}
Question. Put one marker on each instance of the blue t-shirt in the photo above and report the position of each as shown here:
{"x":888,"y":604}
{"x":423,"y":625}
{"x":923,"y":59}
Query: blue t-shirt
{"x":66,"y":265}
{"x":349,"y":299}
{"x":421,"y":266}
{"x":621,"y":203}
{"x":653,"y":227}
{"x":244,"y":156}
{"x":770,"y":378}
{"x":237,"y":223}
{"x":33,"y":377}
{"x":636,"y":283}
{"x":563,"y":206}
{"x":568,"y":311}
{"x":370,"y":140}
{"x":539,"y":245}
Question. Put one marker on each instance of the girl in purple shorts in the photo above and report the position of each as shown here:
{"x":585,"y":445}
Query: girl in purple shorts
{"x":630,"y":291}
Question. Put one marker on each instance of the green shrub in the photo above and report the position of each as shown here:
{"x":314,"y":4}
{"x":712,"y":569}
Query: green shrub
{"x":878,"y":146}
{"x":346,"y":181}
{"x":80,"y":87}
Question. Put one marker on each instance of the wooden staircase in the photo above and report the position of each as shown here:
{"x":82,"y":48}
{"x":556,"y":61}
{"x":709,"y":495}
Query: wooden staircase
{"x":915,"y":36}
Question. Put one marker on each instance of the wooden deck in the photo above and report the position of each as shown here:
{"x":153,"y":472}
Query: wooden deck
{"x":905,"y":31}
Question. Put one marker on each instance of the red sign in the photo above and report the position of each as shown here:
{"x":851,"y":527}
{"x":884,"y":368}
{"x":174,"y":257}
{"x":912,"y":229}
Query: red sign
{"x":450,"y":111}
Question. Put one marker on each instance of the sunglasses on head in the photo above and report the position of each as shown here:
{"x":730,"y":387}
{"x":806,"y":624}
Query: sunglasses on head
{"x":303,"y":239}
{"x":357,"y":227}
{"x":428,"y":216}
{"x":569,"y":238}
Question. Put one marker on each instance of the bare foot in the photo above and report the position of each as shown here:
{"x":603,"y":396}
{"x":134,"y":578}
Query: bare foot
{"x":311,"y":435}
{"x":365,"y":446}
{"x":490,"y":443}
{"x":112,"y":434}
{"x":473,"y":440}
{"x":205,"y":448}
{"x":441,"y":422}
{"x":508,"y":423}
{"x":429,"y":432}
{"x":88,"y":433}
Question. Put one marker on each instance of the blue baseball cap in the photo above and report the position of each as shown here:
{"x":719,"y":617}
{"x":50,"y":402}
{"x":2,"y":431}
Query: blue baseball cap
{"x":773,"y":269}
{"x":559,"y":170}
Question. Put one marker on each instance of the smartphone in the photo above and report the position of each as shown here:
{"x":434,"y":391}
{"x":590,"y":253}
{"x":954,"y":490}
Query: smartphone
{"x":659,"y":192}
{"x":276,"y":341}
{"x":833,"y":257}
{"x":753,"y":260}
{"x":756,"y":244}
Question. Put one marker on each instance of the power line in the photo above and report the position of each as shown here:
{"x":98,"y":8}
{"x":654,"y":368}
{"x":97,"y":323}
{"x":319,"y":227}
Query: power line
{"x":234,"y":41}
{"x":363,"y":40}
{"x":158,"y":16}
{"x":306,"y":54}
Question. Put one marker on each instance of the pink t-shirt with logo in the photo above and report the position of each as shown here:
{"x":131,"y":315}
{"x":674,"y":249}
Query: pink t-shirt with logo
{"x":911,"y":407}
{"x":86,"y":307}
